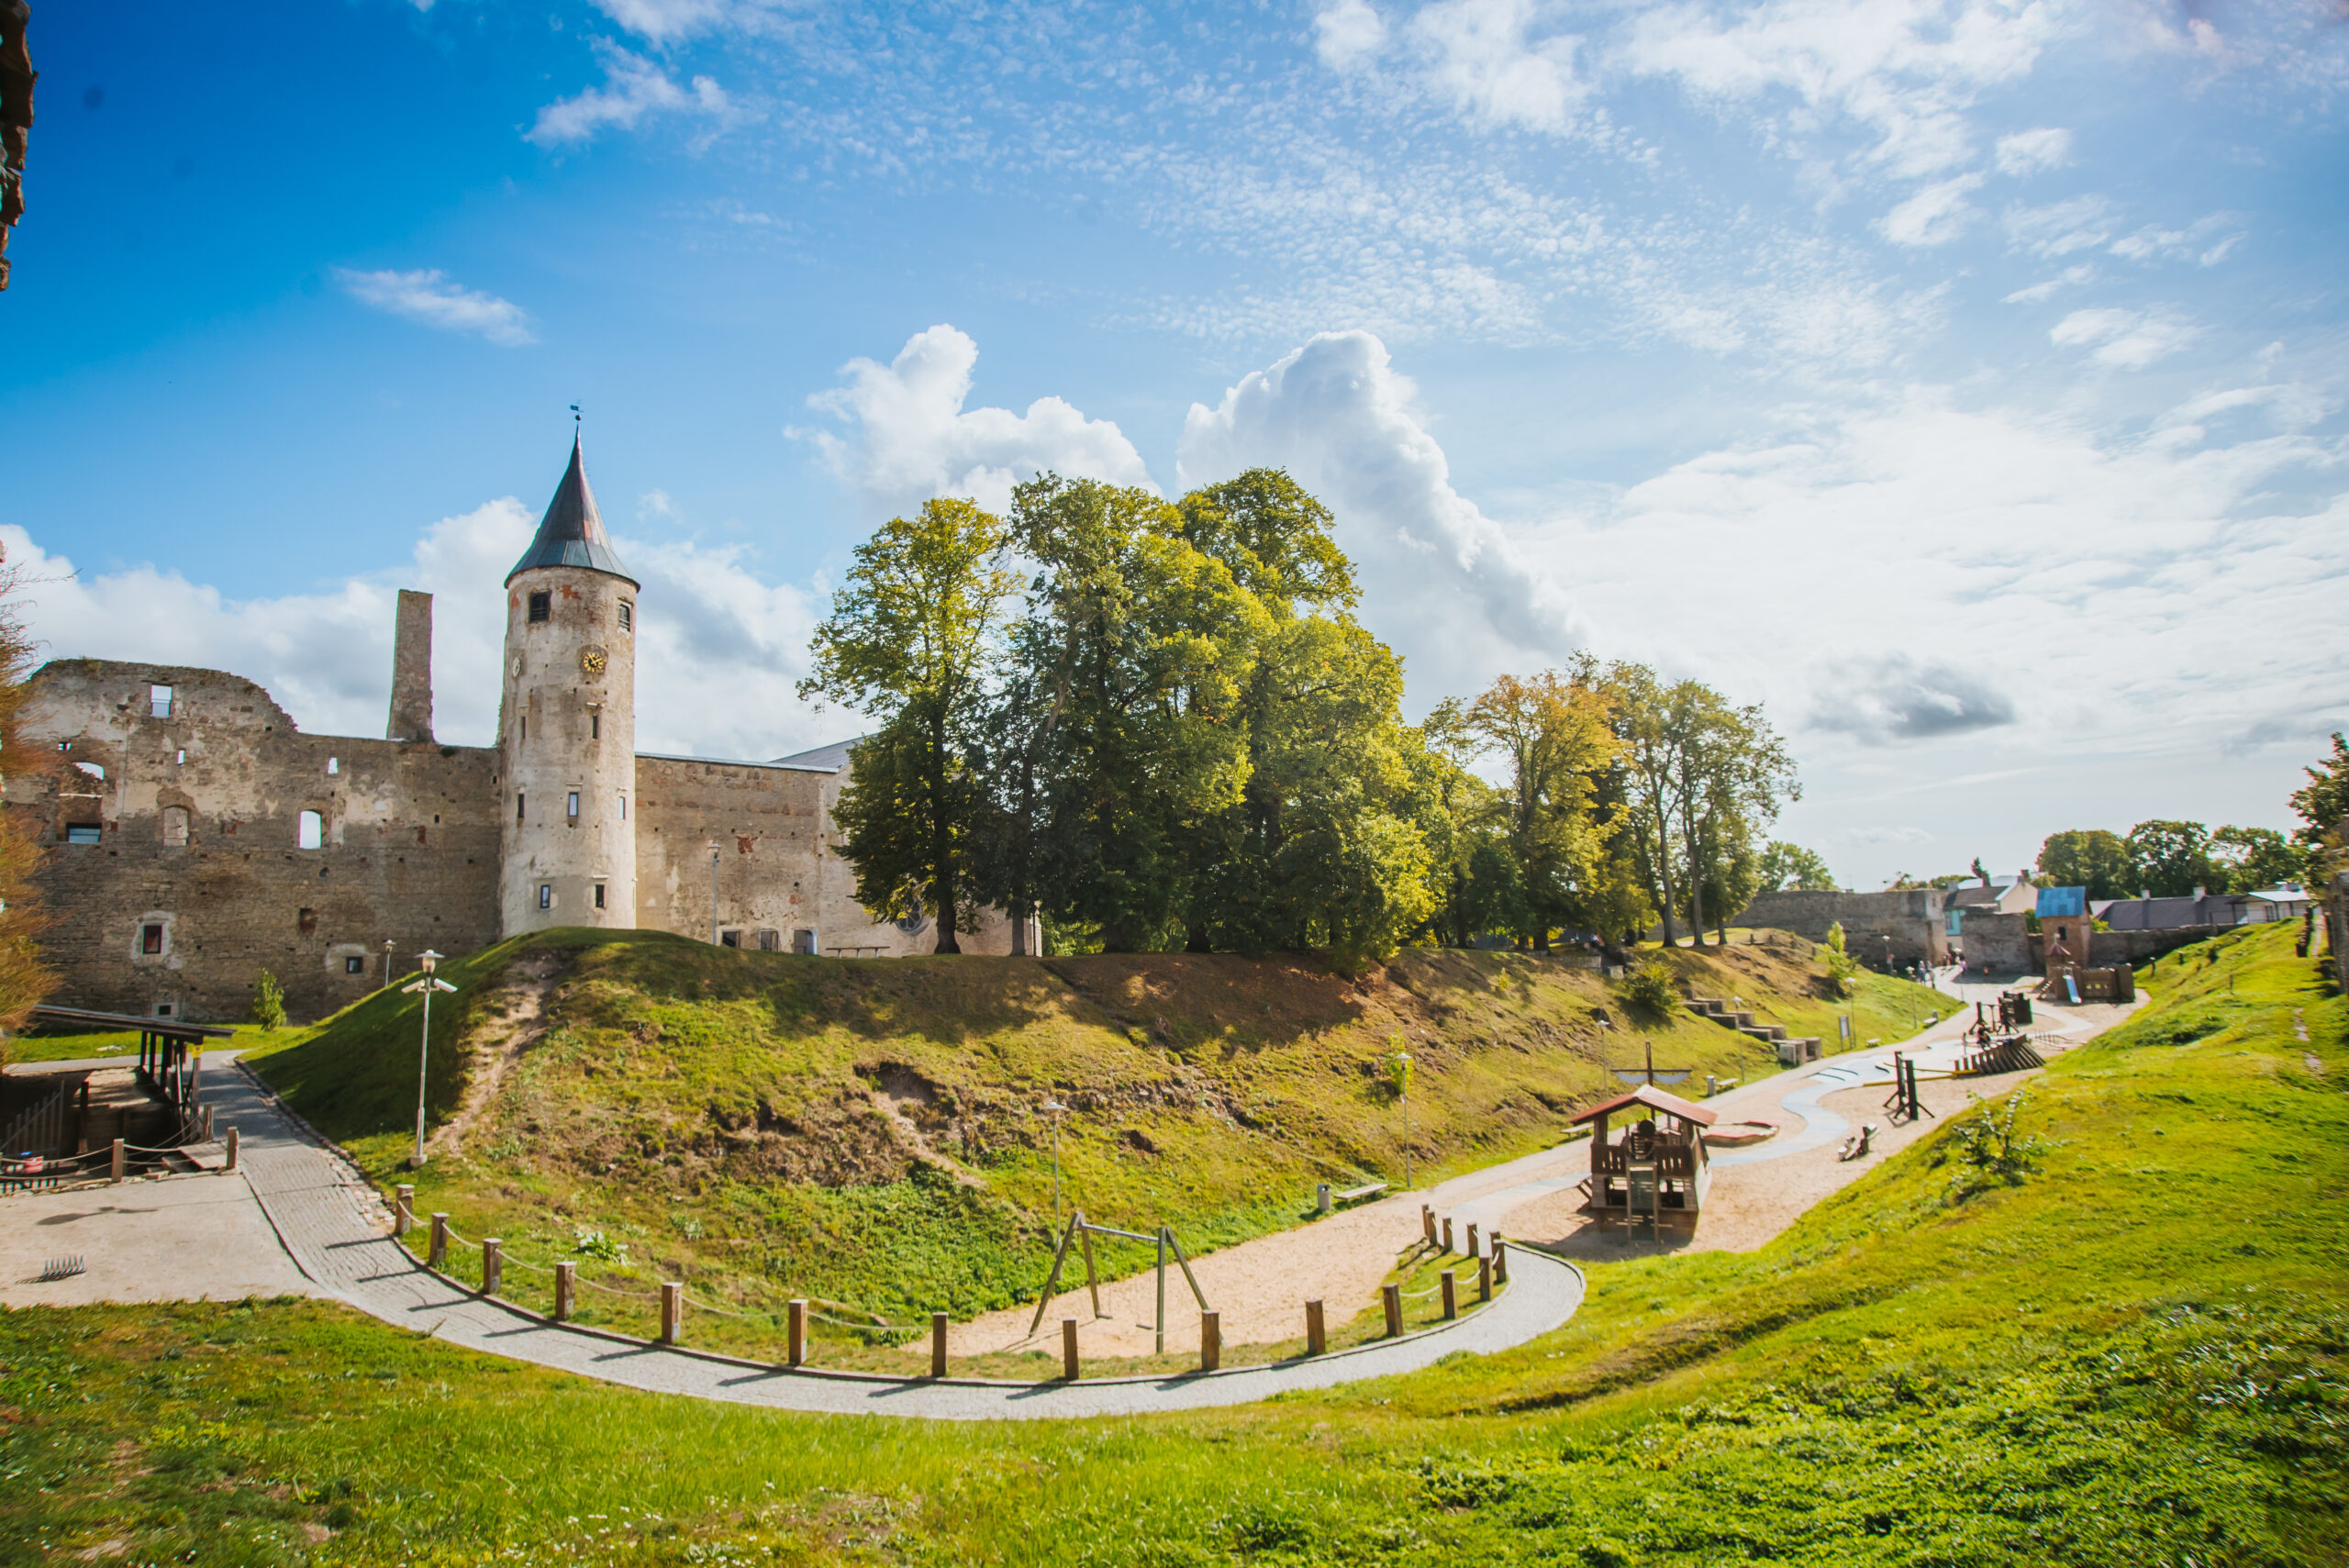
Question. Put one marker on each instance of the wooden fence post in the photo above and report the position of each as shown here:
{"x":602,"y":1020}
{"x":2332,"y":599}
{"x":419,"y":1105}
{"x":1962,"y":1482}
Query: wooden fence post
{"x":1317,"y":1339}
{"x":492,"y":1265}
{"x":938,"y":1344}
{"x":1390,"y":1296}
{"x":1447,"y":1233}
{"x":1068,"y":1349}
{"x":231,"y":1165}
{"x":1500,"y":1262}
{"x":119,"y":1160}
{"x":673,"y":1309}
{"x":566,"y":1284}
{"x":795,"y":1333}
{"x":1451,"y":1294}
{"x":1484,"y":1279}
{"x":1210,"y":1341}
{"x":403,"y":1209}
{"x":1426,"y":1221}
{"x":204,"y":1117}
{"x":438,"y":1258}
{"x":1471,"y":1240}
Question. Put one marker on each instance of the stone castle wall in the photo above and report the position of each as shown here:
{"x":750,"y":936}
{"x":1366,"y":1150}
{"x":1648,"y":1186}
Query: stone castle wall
{"x":1910,"y":920}
{"x":197,"y":802}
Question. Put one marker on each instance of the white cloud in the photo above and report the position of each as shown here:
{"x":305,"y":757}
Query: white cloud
{"x":1347,"y":34}
{"x":2061,"y":228}
{"x":1934,"y":216}
{"x":1910,"y":69}
{"x":430,"y":297}
{"x":1440,"y":580}
{"x":2029,"y":152}
{"x":1881,"y":698}
{"x":1481,"y":58}
{"x":2048,"y":288}
{"x":661,"y":20}
{"x":633,"y":88}
{"x":2126,"y":339}
{"x":718,"y":650}
{"x":909,"y":437}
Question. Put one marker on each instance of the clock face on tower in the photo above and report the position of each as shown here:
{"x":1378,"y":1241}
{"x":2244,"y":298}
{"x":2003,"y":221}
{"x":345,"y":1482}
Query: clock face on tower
{"x":591,"y":663}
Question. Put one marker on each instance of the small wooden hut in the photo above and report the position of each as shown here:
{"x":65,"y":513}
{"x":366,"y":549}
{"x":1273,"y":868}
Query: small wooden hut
{"x":1653,"y":1170}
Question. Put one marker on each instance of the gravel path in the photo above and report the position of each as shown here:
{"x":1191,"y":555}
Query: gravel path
{"x":337,"y":1230}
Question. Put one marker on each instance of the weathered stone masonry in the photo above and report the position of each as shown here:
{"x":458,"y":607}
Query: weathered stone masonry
{"x":195,"y":837}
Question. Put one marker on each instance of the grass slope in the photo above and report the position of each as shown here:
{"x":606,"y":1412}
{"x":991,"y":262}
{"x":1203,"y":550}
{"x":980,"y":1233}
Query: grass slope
{"x":867,"y":1134}
{"x":2129,"y":1352}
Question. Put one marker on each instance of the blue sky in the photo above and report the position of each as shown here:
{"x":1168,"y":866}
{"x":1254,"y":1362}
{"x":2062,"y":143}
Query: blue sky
{"x":1964,"y":380}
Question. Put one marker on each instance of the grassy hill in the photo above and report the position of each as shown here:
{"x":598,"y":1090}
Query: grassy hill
{"x":2124,"y":1348}
{"x":870,"y":1134}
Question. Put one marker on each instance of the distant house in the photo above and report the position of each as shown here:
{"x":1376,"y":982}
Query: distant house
{"x":1999,"y":896}
{"x":2205,"y":909}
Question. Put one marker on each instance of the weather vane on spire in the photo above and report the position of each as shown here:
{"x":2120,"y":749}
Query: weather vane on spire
{"x":575,"y":419}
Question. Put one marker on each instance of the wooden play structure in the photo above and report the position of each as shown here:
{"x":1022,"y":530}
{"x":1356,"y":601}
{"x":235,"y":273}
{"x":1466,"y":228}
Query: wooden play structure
{"x":1653,"y":1173}
{"x":1080,"y":1234}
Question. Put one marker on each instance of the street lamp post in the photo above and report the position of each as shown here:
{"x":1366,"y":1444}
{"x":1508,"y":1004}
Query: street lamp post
{"x":426,"y":983}
{"x":1403,"y":1061}
{"x":1054,"y":1109}
{"x":388,"y":962}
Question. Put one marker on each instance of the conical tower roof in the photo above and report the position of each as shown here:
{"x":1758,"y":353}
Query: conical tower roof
{"x":572,"y":533}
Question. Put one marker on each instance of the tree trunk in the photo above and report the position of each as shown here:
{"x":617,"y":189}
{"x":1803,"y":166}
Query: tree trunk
{"x":942,"y":890}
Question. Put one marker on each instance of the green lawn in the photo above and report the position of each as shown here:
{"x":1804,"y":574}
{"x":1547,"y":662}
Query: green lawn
{"x":49,"y":1045}
{"x":2124,"y":1346}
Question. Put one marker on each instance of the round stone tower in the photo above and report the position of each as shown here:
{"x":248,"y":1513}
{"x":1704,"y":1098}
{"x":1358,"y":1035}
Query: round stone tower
{"x":567,"y":724}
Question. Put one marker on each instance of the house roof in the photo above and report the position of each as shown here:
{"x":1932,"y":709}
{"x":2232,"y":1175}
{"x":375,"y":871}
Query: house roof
{"x":1655,"y":1099}
{"x":2060,"y":902}
{"x":572,"y":533}
{"x":831,"y":758}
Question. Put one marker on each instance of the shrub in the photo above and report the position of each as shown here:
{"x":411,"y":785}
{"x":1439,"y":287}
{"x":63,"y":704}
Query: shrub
{"x":1842,"y":969}
{"x":1987,"y":1154}
{"x":1650,"y":989}
{"x":269,"y":1003}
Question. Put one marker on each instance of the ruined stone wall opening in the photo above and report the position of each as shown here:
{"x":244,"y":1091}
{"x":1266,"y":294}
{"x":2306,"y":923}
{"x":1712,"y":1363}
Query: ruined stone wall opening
{"x":310,"y":830}
{"x":175,"y":827}
{"x":159,"y":702}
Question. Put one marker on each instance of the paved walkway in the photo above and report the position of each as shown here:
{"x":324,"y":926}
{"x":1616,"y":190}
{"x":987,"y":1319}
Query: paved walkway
{"x":337,"y":1230}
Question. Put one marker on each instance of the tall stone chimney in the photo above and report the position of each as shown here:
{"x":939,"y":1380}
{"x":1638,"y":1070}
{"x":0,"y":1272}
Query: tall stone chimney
{"x":411,"y":669}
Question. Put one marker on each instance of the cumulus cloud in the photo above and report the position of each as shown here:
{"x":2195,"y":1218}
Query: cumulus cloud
{"x":1934,"y":216}
{"x":2125,"y":339}
{"x":909,"y":435}
{"x":2029,"y":152}
{"x":661,"y":20}
{"x":633,"y":88}
{"x":1481,"y":57}
{"x":1883,"y":698}
{"x":433,"y":298}
{"x":717,"y":650}
{"x":1441,"y":580}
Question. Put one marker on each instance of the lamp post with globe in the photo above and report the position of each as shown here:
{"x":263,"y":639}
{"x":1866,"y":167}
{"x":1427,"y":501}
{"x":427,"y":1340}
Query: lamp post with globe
{"x":426,"y":983}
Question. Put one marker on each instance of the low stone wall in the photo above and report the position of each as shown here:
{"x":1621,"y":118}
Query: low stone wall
{"x":1909,"y":921}
{"x":1999,"y":945}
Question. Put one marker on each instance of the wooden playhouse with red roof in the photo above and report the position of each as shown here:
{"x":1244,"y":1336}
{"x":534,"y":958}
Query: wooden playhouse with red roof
{"x":1652,"y":1171}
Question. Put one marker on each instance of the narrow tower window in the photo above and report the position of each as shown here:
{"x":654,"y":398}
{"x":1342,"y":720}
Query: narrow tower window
{"x":310,"y":830}
{"x":599,"y":896}
{"x":623,"y":807}
{"x":628,"y":616}
{"x":594,"y":727}
{"x":334,"y":766}
{"x":517,"y":807}
{"x":525,"y":726}
{"x":571,"y":805}
{"x":541,"y":606}
{"x":546,"y":896}
{"x":150,"y":940}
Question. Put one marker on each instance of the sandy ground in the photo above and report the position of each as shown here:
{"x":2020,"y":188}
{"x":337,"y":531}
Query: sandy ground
{"x":194,"y":1238}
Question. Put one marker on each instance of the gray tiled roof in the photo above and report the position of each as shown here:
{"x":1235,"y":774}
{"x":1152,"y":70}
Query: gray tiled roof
{"x":572,"y":533}
{"x":831,"y":758}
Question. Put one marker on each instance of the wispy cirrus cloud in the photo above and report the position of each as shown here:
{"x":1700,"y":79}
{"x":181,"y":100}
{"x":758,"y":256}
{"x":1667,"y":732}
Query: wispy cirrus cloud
{"x":2125,"y":339}
{"x":634,"y":88}
{"x":430,"y":296}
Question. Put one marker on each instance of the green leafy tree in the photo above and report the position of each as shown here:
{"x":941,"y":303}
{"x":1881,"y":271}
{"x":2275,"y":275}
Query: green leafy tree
{"x":2091,"y":858}
{"x":1552,"y":733}
{"x":2171,"y":859}
{"x":1139,"y":646}
{"x":269,"y":1003}
{"x":1842,"y":969}
{"x":1734,"y":772}
{"x":1785,"y":865}
{"x":2257,"y":858}
{"x":2322,"y":805}
{"x":907,"y":642}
